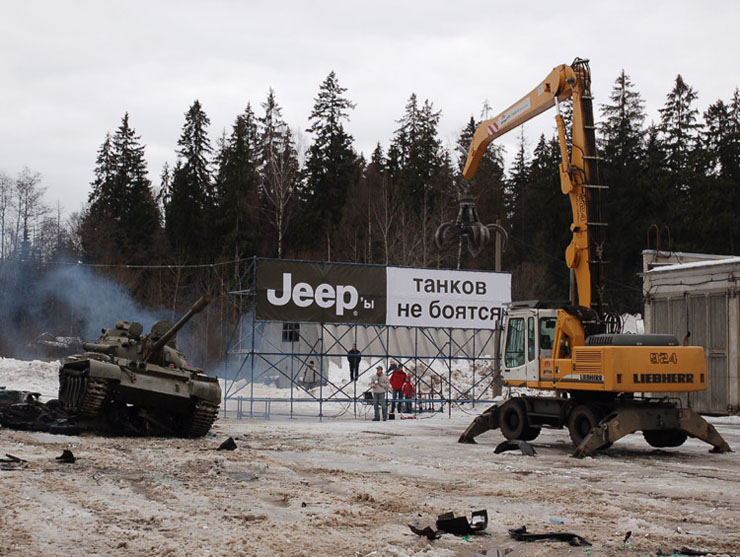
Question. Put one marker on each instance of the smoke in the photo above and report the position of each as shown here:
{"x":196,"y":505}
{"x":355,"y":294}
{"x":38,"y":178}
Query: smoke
{"x":66,"y":301}
{"x":98,"y":301}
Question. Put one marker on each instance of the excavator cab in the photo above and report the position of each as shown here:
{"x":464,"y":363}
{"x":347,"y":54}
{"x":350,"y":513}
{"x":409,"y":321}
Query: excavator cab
{"x":530,"y":334}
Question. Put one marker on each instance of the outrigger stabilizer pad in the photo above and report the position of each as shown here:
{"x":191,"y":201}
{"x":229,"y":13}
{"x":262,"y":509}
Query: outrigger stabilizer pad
{"x":658,"y":416}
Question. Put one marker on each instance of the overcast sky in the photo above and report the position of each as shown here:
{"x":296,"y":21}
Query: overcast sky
{"x":70,"y":70}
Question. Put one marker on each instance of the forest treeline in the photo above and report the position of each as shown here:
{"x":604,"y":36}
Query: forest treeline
{"x":254,"y":191}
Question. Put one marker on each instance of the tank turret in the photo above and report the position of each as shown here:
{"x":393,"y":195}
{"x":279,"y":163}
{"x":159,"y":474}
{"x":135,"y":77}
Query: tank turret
{"x":134,"y":384}
{"x":160,"y":342}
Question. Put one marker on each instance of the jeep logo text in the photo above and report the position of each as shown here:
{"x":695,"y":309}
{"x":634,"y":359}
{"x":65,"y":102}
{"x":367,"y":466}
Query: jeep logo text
{"x":324,"y":295}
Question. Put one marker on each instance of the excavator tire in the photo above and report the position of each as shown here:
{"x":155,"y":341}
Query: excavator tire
{"x":582,"y":420}
{"x":660,"y":438}
{"x":513,"y":422}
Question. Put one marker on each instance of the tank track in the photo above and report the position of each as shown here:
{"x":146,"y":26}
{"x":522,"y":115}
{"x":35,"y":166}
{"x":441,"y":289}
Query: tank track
{"x":202,"y":418}
{"x":94,"y":397}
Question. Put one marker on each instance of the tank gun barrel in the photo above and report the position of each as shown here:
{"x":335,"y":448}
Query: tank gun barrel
{"x":164,"y":339}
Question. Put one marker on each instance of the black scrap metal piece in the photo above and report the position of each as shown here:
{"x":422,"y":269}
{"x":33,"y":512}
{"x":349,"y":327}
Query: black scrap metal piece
{"x":12,"y":459}
{"x":66,"y":456}
{"x":514,"y":444}
{"x":228,"y":445}
{"x":460,"y":525}
{"x":429,"y":532}
{"x":684,"y":551}
{"x":521,"y":535}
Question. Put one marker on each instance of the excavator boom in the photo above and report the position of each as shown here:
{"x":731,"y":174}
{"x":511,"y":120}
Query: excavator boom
{"x":578,"y":171}
{"x":540,"y":99}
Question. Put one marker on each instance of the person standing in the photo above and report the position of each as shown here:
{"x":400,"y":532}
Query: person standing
{"x":398,"y":376}
{"x":379,"y":387}
{"x":408,"y":390}
{"x":353,"y":357}
{"x":309,"y":376}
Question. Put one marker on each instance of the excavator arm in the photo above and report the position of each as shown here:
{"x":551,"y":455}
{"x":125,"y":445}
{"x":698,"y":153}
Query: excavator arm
{"x":578,"y":170}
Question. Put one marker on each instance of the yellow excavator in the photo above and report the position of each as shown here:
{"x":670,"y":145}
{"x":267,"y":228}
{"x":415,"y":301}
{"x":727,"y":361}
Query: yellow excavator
{"x":603,"y":384}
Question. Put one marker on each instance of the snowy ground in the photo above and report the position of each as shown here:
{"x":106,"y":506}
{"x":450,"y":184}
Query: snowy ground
{"x":350,"y":486}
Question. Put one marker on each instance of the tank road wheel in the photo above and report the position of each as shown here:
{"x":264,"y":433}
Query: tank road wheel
{"x":201,"y":419}
{"x":513,"y":422}
{"x":582,"y":420}
{"x":665,"y":437}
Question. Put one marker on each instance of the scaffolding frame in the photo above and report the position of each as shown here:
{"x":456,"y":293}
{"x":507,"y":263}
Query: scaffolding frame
{"x":430,"y":355}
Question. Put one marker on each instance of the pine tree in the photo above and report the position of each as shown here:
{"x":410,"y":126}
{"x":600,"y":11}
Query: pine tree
{"x":332,"y":166}
{"x":191,"y":194}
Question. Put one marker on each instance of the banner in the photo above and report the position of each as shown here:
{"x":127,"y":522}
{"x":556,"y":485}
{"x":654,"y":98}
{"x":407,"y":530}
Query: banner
{"x":299,"y":291}
{"x":436,"y":298}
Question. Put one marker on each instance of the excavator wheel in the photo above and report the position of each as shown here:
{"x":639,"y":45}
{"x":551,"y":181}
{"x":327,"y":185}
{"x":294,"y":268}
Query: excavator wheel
{"x":660,"y":438}
{"x":513,"y":422}
{"x":582,"y":420}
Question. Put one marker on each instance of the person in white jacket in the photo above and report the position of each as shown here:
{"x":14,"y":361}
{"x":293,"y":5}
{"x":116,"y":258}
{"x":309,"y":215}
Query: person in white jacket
{"x":379,"y":385}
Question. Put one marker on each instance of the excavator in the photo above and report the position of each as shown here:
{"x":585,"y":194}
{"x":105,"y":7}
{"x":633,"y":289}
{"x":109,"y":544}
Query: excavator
{"x":594,"y":380}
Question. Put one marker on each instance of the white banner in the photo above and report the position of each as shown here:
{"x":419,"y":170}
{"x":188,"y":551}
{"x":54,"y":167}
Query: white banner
{"x":457,"y":299}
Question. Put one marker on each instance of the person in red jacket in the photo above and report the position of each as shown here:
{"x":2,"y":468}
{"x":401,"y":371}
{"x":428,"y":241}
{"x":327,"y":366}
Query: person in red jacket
{"x":398,"y":377}
{"x":408,"y":391}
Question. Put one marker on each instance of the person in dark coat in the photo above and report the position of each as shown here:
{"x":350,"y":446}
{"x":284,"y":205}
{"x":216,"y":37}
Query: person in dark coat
{"x":353,"y":357}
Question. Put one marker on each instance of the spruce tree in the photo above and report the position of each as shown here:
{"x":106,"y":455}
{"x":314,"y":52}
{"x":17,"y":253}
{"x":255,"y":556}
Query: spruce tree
{"x":191,"y":195}
{"x":416,"y":151}
{"x":622,"y":148}
{"x":235,"y":191}
{"x":419,"y":170}
{"x":680,"y":130}
{"x":719,"y":177}
{"x":122,"y":222}
{"x":332,"y":166}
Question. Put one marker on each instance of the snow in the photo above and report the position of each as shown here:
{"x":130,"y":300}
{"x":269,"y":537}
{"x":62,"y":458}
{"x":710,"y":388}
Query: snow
{"x":35,"y":376}
{"x":695,"y":264}
{"x":349,"y":486}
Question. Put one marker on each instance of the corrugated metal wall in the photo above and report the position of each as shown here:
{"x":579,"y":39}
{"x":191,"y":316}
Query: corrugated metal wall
{"x":705,"y":316}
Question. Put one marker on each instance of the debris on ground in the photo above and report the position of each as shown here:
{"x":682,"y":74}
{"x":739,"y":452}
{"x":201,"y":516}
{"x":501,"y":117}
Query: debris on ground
{"x":428,"y":531}
{"x":11,"y":462}
{"x":66,"y":456}
{"x":228,"y":445}
{"x":460,"y":525}
{"x":684,"y":551}
{"x":449,"y":524}
{"x":514,"y":444}
{"x":521,"y":535}
{"x":493,"y":552}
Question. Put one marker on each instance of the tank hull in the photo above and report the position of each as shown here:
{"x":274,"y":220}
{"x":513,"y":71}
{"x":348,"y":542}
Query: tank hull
{"x":169,"y":400}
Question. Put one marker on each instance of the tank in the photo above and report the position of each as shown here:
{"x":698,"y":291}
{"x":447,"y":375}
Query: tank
{"x":133,"y":384}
